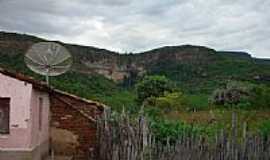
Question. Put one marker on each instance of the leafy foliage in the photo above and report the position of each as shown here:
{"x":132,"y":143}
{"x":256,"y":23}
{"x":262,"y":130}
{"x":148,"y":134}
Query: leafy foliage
{"x":169,"y":102}
{"x":164,"y":129}
{"x":242,"y":95}
{"x":264,"y":128}
{"x":153,"y":86}
{"x":197,"y":102}
{"x":233,"y":93}
{"x":260,"y":96}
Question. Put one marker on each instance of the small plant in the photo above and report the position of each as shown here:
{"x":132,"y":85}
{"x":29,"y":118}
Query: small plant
{"x":169,"y":102}
{"x":264,"y":128}
{"x":165,"y":129}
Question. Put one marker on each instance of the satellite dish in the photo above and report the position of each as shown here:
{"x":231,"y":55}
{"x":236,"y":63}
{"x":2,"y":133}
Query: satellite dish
{"x":48,"y":59}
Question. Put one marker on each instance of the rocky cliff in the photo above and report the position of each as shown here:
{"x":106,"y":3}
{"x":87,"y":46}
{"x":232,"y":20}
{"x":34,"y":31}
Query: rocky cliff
{"x":116,"y":66}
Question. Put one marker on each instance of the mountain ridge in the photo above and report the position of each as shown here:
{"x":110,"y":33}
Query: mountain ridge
{"x":32,"y":37}
{"x":184,"y":62}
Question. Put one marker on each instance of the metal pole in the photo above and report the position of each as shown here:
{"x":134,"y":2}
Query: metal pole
{"x":47,"y":76}
{"x":47,"y":79}
{"x":50,"y":138}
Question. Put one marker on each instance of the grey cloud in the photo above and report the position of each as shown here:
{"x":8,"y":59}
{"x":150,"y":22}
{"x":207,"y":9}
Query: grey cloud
{"x":129,"y":25}
{"x":106,"y":2}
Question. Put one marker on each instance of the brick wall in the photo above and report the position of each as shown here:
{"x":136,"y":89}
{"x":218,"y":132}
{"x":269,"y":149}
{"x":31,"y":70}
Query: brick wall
{"x":73,"y":115}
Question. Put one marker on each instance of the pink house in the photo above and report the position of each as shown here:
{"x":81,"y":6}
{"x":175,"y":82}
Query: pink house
{"x":27,"y":105}
{"x":24,"y":119}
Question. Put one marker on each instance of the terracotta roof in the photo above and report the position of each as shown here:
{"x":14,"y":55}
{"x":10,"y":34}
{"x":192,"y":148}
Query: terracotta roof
{"x":44,"y":87}
{"x":100,"y":106}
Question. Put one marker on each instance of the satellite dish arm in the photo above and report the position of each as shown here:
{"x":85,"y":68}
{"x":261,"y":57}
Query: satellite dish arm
{"x":47,"y":76}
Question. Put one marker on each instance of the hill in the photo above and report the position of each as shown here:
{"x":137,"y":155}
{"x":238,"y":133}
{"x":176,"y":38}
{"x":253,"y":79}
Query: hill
{"x":109,"y":76}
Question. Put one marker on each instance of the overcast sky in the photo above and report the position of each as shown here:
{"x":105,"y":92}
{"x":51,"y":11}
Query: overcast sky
{"x":139,"y":25}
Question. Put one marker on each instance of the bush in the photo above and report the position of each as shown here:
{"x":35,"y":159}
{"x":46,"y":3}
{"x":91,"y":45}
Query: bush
{"x":264,"y":128}
{"x":153,"y":86}
{"x":197,"y":102}
{"x":233,"y":94}
{"x":164,"y":129}
{"x":168,"y":102}
{"x":242,"y":95}
{"x":260,"y":97}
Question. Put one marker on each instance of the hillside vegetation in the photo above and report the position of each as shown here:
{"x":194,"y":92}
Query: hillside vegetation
{"x":108,"y":76}
{"x":103,"y":74}
{"x":175,"y":84}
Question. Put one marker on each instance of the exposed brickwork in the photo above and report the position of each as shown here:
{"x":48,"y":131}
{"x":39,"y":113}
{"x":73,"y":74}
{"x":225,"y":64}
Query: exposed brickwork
{"x":70,"y":118}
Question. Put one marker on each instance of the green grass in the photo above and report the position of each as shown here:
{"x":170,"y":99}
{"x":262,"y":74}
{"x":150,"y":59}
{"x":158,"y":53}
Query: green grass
{"x":120,"y":100}
{"x":257,"y":121}
{"x":198,"y":101}
{"x":264,"y":127}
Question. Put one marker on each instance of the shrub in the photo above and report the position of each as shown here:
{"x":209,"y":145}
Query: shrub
{"x":264,"y":128}
{"x":168,"y":102}
{"x":153,"y":86}
{"x":233,"y":93}
{"x":197,"y":102}
{"x":164,"y":129}
{"x":260,"y":96}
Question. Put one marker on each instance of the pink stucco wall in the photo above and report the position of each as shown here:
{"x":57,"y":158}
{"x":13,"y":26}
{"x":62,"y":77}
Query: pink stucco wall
{"x":24,"y":133}
{"x":39,"y":136}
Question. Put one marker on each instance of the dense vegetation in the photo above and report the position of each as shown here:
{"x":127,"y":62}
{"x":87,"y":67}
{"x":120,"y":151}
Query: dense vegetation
{"x":181,"y":85}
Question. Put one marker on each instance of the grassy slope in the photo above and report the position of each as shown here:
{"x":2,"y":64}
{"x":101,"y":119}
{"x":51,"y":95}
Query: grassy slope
{"x":222,"y":118}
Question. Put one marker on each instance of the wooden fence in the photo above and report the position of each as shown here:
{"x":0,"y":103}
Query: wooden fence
{"x":122,"y":139}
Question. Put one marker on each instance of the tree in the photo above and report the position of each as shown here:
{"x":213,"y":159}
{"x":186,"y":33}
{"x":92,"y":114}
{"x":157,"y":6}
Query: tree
{"x":232,"y":94}
{"x":153,"y":86}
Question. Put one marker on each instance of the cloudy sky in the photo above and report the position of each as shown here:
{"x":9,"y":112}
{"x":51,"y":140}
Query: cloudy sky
{"x":139,"y":25}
